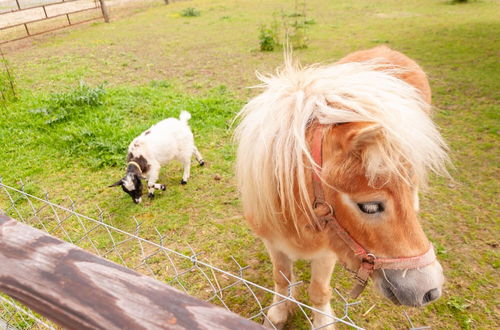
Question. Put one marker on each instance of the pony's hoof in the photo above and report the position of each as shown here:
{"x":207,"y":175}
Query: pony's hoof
{"x":202,"y":163}
{"x":163,"y":187}
{"x":183,"y":182}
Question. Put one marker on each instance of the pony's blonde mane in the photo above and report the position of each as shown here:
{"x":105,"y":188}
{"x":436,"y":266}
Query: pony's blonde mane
{"x":272,"y":132}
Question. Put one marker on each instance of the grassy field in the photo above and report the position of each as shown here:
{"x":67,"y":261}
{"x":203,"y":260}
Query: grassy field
{"x":85,"y":94}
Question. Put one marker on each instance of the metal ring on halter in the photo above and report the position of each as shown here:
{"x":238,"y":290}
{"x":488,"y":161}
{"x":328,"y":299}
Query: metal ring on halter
{"x":330,"y":208}
{"x":371,"y":255}
{"x":366,"y":268}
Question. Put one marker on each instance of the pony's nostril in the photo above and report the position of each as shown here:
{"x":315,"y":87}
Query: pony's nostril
{"x":431,"y":295}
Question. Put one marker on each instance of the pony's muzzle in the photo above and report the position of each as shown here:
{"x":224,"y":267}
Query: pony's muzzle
{"x":411,"y":287}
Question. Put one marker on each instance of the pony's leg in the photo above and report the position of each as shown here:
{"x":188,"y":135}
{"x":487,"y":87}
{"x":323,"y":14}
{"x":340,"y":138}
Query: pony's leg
{"x":198,"y":156}
{"x":282,"y":274}
{"x":320,"y":291}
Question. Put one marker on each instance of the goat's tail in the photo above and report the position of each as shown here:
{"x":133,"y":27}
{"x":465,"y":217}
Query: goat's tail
{"x":185,"y":116}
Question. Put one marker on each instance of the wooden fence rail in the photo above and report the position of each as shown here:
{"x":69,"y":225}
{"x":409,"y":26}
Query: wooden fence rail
{"x":28,"y":16}
{"x":79,"y":290}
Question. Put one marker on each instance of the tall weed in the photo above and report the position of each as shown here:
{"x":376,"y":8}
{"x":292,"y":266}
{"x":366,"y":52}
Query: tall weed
{"x":291,"y":27}
{"x":7,"y":82}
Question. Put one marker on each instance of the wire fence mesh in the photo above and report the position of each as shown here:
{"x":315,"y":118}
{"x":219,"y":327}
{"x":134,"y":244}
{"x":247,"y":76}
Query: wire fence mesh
{"x":181,"y":267}
{"x":15,"y":316}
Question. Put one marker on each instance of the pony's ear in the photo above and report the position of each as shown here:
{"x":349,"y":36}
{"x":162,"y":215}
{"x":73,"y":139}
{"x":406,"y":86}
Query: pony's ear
{"x":117,"y":183}
{"x":362,"y":135}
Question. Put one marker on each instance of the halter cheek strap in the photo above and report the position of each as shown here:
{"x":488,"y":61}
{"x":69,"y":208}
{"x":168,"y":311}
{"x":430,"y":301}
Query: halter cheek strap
{"x":326,"y":216}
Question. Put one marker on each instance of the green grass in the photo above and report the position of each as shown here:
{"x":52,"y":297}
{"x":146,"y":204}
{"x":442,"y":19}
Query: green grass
{"x":156,"y":63}
{"x":190,"y":12}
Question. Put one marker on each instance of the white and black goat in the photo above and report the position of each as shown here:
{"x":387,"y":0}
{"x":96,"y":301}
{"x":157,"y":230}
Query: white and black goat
{"x":169,"y":139}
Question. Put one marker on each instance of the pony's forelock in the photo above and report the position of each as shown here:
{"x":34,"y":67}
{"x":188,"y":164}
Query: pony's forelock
{"x":272,"y":132}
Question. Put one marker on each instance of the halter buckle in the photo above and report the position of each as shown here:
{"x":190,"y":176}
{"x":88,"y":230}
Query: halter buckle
{"x":363,"y":274}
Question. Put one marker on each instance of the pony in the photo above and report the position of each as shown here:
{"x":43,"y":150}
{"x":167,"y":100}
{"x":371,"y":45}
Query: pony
{"x":329,"y":165}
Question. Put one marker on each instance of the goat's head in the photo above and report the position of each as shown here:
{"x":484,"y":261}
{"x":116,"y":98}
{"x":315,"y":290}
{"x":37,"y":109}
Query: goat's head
{"x":132,"y":185}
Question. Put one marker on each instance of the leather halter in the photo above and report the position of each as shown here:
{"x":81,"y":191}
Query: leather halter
{"x":326,"y":215}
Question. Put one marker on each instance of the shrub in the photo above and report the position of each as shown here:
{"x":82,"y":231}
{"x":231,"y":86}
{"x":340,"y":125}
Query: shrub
{"x":190,"y":12}
{"x":268,"y":38}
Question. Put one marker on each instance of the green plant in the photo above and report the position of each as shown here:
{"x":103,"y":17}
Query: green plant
{"x":190,"y":12}
{"x":268,"y":38}
{"x":297,"y":35}
{"x":292,"y":28}
{"x":296,"y":31}
{"x":7,"y":82}
{"x":61,"y":106}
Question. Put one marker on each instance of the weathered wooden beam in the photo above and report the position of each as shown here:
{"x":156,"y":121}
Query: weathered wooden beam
{"x":79,"y":290}
{"x":105,"y":11}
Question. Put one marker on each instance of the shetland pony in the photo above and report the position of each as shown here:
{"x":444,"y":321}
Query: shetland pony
{"x":329,"y":164}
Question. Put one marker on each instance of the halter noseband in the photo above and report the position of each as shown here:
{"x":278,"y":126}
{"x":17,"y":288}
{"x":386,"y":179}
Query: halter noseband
{"x":326,"y":215}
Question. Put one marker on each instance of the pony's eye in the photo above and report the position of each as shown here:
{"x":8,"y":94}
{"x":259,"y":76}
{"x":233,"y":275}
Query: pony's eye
{"x":371,"y":207}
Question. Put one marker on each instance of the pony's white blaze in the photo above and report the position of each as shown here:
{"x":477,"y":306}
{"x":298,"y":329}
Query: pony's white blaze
{"x":272,"y":139}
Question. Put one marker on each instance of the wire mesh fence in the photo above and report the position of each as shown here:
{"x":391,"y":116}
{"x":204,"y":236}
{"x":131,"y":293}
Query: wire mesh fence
{"x":15,"y":316}
{"x":157,"y":256}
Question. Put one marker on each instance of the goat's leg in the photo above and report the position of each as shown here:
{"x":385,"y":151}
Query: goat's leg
{"x":186,"y":163}
{"x":320,"y":291}
{"x":154,"y":173}
{"x":198,"y":156}
{"x":283,"y":276}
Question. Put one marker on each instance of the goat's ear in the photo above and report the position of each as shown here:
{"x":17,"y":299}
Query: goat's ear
{"x":117,"y":183}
